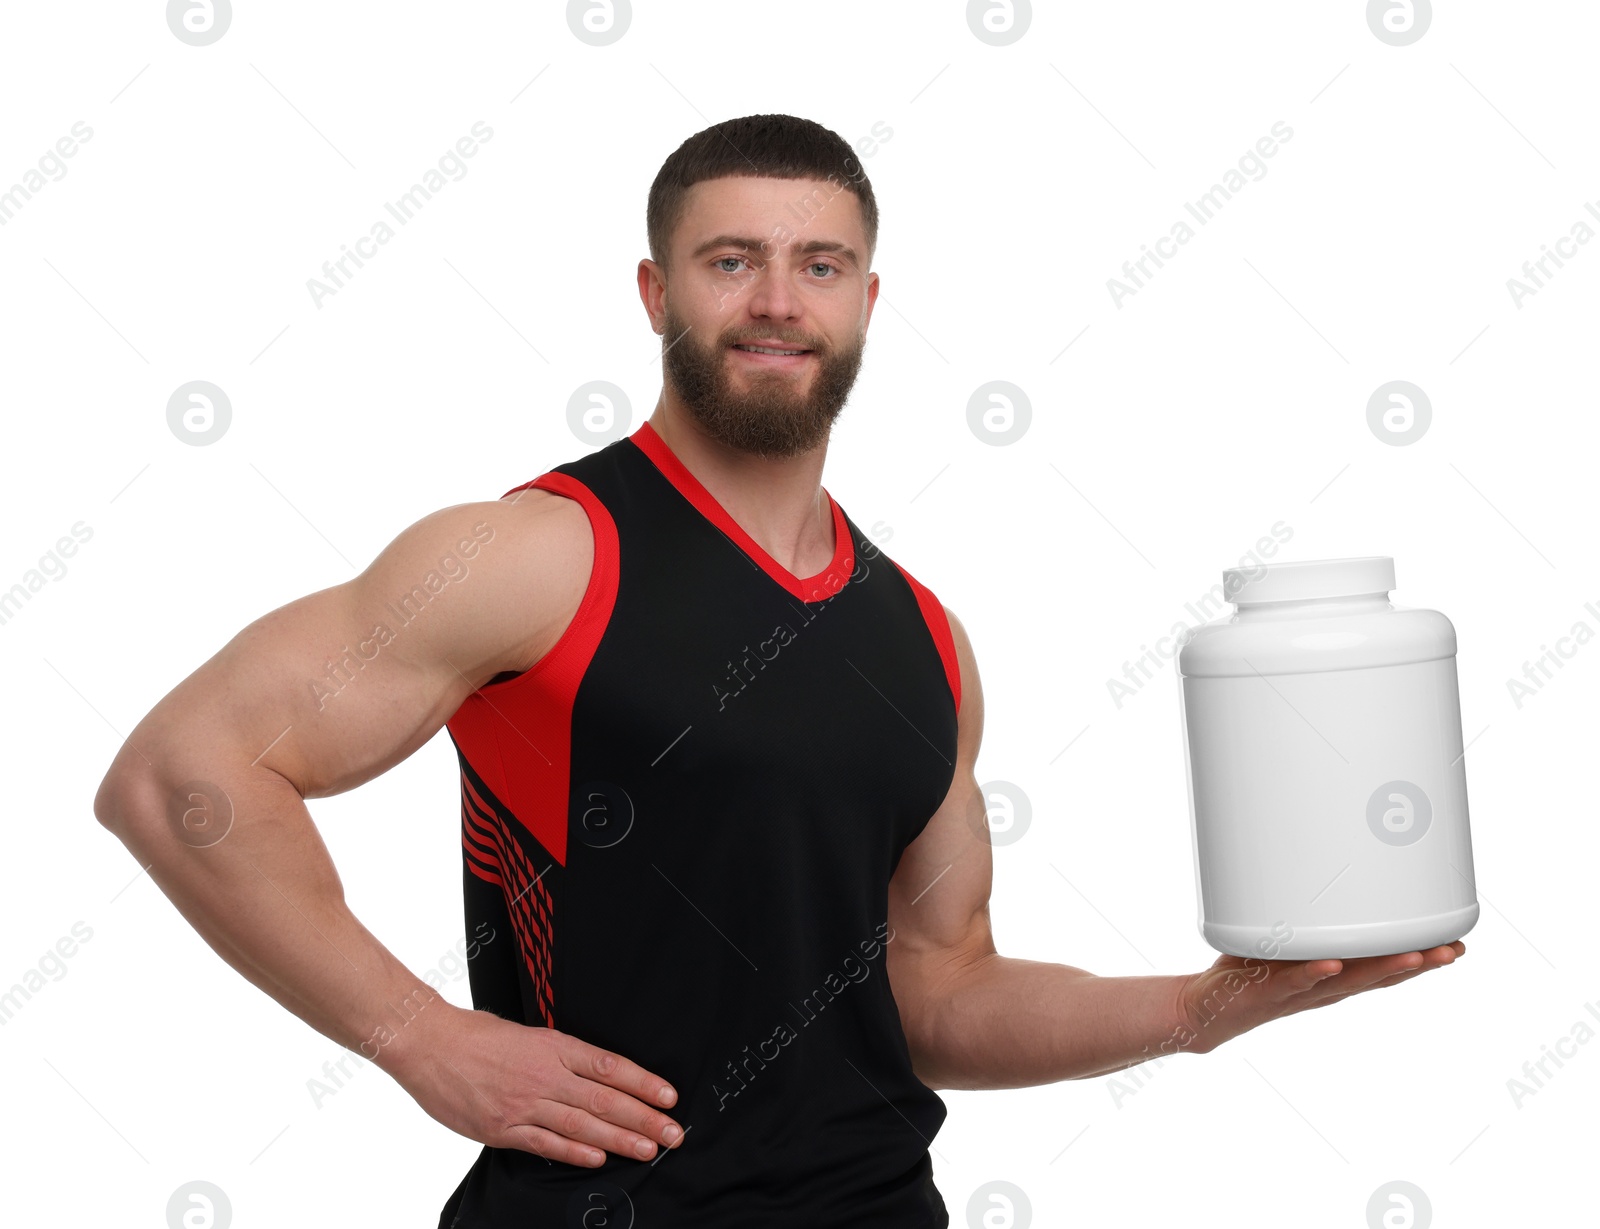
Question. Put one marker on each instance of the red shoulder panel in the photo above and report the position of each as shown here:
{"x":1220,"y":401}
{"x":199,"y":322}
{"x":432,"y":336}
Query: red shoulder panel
{"x":939,"y":624}
{"x":517,"y":734}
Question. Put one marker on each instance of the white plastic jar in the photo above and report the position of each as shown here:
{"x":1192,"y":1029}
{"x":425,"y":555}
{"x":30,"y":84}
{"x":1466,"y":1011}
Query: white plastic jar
{"x":1327,"y":777}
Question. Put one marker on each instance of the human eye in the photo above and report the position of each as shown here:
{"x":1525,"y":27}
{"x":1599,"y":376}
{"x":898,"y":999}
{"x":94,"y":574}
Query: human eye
{"x":822,"y":264}
{"x":720,"y":259}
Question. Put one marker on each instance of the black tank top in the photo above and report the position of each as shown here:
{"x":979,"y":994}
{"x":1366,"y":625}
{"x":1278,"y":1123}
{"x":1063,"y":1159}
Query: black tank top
{"x":678,"y":830}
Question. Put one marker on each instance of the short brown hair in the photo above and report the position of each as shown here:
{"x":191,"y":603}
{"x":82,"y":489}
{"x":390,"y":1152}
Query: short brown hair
{"x":758,"y":146}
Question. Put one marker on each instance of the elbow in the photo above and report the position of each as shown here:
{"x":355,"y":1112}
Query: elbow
{"x":107,"y":800}
{"x":141,"y":775}
{"x":922,"y":1028}
{"x":123,"y":795}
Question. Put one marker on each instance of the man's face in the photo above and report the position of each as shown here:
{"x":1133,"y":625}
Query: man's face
{"x":775,"y":263}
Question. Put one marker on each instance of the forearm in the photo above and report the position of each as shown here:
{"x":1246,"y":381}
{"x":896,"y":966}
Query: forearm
{"x":267,"y":898}
{"x":1008,"y":1023}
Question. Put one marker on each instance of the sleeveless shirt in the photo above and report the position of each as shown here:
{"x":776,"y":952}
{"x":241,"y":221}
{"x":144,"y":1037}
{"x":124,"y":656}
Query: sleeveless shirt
{"x":678,"y":829}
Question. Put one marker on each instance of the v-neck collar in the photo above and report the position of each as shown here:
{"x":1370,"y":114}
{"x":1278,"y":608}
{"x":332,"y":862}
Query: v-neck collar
{"x":808,"y":589}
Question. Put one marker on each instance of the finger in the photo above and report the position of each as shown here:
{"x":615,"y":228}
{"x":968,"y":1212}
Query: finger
{"x":1303,"y":977}
{"x":626,"y":1122}
{"x":530,"y":1137}
{"x":1382,"y":967}
{"x":1436,"y":958}
{"x":1382,"y":970}
{"x":1363,"y":974}
{"x":589,"y":1136}
{"x":1393,"y":979}
{"x":1342,"y":977}
{"x":1385,"y":974}
{"x":604,"y":1067}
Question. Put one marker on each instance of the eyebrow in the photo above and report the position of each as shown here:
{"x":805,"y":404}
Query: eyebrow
{"x":810,"y":247}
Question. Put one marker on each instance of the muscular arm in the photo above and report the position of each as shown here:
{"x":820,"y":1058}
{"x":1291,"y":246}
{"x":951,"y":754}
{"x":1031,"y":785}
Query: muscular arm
{"x":977,"y":1019}
{"x":208,"y":791}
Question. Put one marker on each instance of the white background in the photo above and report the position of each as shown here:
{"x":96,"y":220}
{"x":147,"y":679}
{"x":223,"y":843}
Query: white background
{"x":1227,"y":395}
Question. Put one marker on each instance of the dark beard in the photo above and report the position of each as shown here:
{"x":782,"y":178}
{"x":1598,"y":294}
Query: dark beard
{"x":773,"y":419}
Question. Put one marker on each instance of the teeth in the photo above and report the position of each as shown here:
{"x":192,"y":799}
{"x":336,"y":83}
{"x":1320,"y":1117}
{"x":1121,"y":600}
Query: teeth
{"x":765,"y":350}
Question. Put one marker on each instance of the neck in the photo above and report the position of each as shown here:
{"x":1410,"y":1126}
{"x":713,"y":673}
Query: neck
{"x":778,"y":501}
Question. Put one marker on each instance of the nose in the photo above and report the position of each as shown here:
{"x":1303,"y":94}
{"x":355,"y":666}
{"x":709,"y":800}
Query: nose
{"x":771,"y":298}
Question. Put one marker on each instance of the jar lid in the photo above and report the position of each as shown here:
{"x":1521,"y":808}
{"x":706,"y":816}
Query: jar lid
{"x":1314,"y":578}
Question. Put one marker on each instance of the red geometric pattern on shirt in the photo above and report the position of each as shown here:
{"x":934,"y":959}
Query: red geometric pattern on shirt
{"x":496,"y":857}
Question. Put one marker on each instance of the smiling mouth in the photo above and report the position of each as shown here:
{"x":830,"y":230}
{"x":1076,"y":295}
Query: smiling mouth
{"x":775,"y":351}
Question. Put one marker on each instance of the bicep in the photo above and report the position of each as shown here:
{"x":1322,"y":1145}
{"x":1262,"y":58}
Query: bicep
{"x":338,"y":686}
{"x":939,"y":895}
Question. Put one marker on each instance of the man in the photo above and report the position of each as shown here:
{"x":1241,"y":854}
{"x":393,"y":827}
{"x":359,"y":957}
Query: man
{"x":718,"y":793}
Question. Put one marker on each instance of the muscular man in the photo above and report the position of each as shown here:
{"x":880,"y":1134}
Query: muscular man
{"x":725,"y":856}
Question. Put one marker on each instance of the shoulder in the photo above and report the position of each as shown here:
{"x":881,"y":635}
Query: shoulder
{"x":971,"y":705}
{"x":549,"y":562}
{"x":520,"y":564}
{"x":556,"y":524}
{"x":530,"y":533}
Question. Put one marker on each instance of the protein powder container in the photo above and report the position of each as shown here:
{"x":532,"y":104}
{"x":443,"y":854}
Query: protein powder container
{"x":1327,"y":776}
